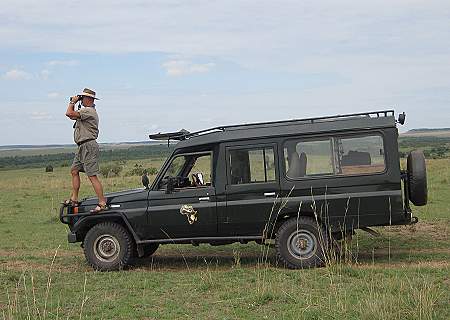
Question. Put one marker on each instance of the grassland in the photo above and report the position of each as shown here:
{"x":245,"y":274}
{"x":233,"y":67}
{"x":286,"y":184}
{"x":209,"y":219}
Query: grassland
{"x":403,"y":274}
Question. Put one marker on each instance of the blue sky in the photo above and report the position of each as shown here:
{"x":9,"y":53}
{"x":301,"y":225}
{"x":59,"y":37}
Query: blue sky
{"x":167,"y":65}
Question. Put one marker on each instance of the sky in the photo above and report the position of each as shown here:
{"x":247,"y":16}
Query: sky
{"x":165,"y":65}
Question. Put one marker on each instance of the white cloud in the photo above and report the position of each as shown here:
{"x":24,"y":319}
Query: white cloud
{"x":53,"y":95}
{"x":37,"y":115}
{"x":183,"y":67}
{"x":45,"y":74}
{"x":17,"y":74}
{"x":66,"y":63}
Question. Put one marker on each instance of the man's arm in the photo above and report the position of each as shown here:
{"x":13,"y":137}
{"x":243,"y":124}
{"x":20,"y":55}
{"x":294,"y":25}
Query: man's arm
{"x":71,"y":113}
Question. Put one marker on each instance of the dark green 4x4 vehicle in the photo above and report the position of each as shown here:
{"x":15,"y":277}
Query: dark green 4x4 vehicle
{"x":300,"y":183}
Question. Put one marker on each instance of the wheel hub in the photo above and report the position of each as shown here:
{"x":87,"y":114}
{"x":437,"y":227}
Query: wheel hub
{"x":302,"y":244}
{"x":106,"y":248}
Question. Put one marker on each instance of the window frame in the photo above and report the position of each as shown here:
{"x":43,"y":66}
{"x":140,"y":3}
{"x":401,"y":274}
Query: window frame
{"x":334,"y":154}
{"x":263,"y":146}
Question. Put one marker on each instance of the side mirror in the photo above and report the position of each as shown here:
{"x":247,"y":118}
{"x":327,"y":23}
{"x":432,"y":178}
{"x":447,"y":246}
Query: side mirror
{"x":170,"y":185}
{"x":145,"y":180}
{"x":401,"y":118}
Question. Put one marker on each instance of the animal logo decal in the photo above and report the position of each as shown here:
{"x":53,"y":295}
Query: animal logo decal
{"x":189,"y":212}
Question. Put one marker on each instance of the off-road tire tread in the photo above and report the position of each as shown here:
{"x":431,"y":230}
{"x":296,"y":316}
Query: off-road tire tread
{"x":284,"y":231}
{"x":417,"y":178}
{"x":126,"y":241}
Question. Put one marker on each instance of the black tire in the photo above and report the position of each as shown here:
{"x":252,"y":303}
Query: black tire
{"x":108,"y":246}
{"x":311,"y":235}
{"x":417,"y":178}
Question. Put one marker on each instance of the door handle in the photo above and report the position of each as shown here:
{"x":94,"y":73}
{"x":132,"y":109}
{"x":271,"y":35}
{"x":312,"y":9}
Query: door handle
{"x":269,"y":194}
{"x":203,"y":199}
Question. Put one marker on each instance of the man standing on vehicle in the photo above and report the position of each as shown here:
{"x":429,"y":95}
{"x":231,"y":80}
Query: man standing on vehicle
{"x":87,"y":156}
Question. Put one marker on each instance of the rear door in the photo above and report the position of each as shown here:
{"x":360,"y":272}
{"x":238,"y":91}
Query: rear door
{"x":252,"y":188}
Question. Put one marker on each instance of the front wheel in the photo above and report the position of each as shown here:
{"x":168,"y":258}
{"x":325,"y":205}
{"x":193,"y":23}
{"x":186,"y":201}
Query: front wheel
{"x":108,"y":246}
{"x":301,"y":243}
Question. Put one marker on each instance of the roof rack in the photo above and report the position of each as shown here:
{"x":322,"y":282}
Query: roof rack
{"x":184,"y":134}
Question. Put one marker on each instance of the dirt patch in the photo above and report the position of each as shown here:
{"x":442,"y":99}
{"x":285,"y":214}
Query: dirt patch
{"x":441,"y":264}
{"x":434,"y":230}
{"x":15,"y":253}
{"x":19,"y":265}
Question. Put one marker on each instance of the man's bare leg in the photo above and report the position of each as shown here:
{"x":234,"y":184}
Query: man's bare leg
{"x":98,"y":188}
{"x":75,"y":184}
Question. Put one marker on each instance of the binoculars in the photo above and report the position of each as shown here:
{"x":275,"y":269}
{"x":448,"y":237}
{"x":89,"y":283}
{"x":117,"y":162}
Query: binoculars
{"x":79,"y":97}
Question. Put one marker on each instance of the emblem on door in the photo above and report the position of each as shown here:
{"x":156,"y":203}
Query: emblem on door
{"x":189,"y":212}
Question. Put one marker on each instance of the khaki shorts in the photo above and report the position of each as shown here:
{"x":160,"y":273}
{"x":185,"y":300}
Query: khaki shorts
{"x":86,"y":159}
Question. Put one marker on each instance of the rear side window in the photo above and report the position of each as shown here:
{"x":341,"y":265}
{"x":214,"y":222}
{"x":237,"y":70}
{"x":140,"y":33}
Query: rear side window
{"x":251,"y":165}
{"x":308,"y":158}
{"x":334,"y":156}
{"x":360,"y":155}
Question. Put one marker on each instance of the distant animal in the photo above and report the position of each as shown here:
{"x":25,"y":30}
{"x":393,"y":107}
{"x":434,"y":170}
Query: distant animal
{"x":49,"y":168}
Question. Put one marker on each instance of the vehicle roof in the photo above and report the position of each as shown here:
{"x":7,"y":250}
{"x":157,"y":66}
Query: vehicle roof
{"x":359,"y":121}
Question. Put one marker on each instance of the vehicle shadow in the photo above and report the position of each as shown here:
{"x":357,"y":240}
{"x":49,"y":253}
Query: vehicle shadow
{"x":226,"y":259}
{"x":195,"y":260}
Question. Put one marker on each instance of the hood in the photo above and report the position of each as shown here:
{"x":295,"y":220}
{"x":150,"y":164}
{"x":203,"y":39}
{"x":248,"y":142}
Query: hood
{"x":119,"y":197}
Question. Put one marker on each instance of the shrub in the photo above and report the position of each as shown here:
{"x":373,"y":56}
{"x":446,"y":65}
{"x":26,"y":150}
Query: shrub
{"x":139,"y":170}
{"x":111,"y":170}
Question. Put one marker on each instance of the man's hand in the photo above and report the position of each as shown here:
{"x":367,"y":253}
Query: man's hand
{"x":71,"y":113}
{"x":75,"y":99}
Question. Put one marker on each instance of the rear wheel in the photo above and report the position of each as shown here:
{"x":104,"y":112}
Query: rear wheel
{"x":108,"y":246}
{"x":301,"y":243}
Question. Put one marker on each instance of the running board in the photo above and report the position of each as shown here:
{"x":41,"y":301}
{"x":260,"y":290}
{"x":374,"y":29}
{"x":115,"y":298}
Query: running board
{"x":201,"y":239}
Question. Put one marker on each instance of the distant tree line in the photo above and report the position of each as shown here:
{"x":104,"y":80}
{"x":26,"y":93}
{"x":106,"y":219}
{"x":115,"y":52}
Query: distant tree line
{"x":65,"y":159}
{"x":432,"y":147}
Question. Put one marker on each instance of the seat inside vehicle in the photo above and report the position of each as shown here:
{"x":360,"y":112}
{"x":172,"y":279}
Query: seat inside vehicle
{"x":297,"y":165}
{"x":240,"y":167}
{"x":356,"y":158}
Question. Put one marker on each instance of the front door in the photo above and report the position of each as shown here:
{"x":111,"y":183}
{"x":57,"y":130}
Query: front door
{"x":252,"y":189}
{"x":189,"y":210}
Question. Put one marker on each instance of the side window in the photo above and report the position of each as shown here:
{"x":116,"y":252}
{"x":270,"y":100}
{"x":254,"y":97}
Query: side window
{"x":176,"y":166}
{"x":360,"y":155}
{"x":252,"y":165}
{"x":200,"y":172}
{"x":308,"y":158}
{"x":189,"y":171}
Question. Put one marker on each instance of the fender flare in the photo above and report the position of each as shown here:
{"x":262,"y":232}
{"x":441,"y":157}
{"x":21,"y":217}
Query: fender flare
{"x":81,"y":227}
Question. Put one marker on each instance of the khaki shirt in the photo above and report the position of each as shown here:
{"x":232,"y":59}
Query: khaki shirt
{"x":86,"y":128}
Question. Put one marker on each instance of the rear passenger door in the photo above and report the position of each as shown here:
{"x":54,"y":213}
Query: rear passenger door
{"x":252,"y":188}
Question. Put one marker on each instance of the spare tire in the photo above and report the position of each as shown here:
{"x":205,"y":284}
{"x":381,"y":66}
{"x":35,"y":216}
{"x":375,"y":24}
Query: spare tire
{"x":417,"y":178}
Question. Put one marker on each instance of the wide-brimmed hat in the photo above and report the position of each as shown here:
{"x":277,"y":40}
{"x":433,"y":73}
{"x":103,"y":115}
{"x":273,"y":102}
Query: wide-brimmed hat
{"x":88,"y":93}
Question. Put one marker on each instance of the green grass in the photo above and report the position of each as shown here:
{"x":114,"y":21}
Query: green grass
{"x":403,"y":274}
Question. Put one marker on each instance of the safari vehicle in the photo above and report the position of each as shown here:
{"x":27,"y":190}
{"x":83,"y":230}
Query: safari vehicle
{"x":299,"y":184}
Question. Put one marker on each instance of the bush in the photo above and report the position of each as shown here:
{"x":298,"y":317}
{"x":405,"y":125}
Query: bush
{"x":139,"y":170}
{"x":111,"y":170}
